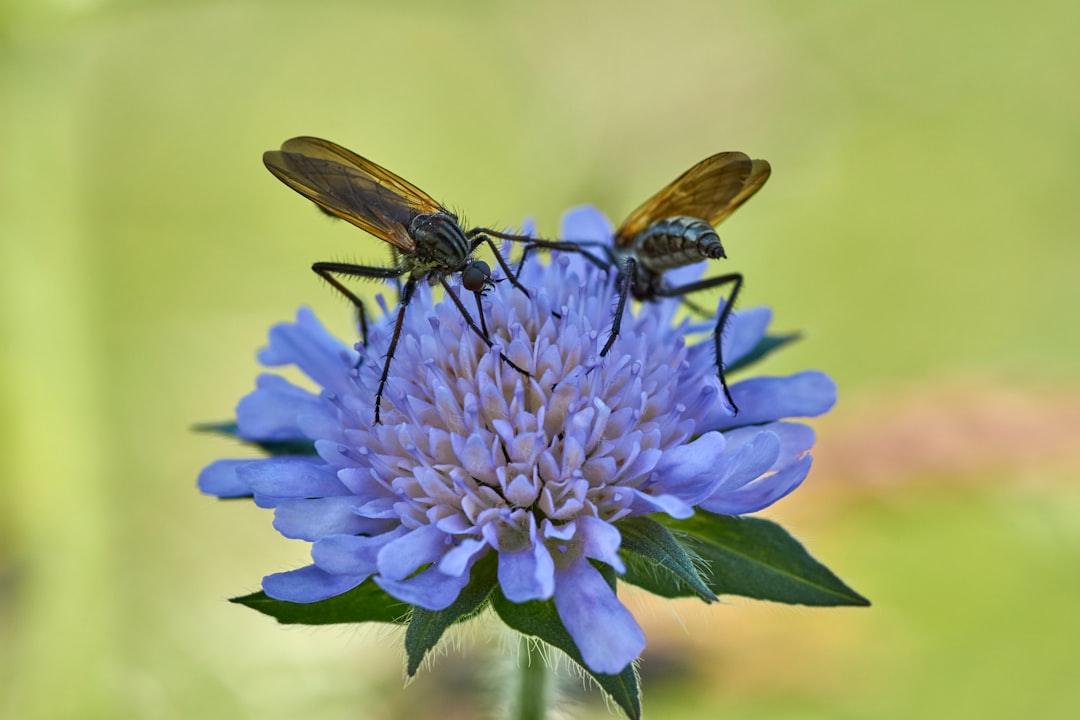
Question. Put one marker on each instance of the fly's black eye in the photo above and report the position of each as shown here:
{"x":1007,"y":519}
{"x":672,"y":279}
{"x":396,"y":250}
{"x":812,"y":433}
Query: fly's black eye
{"x":476,"y":276}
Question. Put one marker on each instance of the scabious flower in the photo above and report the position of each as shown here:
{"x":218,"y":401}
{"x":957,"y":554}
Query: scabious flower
{"x":473,"y":458}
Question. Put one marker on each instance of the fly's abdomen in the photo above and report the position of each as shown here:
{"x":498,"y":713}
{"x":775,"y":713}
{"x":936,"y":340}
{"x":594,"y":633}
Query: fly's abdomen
{"x":676,"y":242}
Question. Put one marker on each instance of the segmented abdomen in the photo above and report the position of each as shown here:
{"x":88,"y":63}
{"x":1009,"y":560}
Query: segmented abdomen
{"x":676,"y":242}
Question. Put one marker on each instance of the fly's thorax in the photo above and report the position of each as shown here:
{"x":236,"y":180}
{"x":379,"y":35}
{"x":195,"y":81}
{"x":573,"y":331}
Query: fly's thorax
{"x":676,"y":242}
{"x":441,"y":244}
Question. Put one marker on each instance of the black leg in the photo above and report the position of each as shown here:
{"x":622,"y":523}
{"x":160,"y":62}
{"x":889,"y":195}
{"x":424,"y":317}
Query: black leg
{"x":406,"y":296}
{"x":501,"y":235}
{"x":531,"y":243}
{"x":696,"y":309}
{"x":475,"y":328}
{"x":735,"y":279}
{"x":356,"y":301}
{"x":326,"y":271}
{"x":480,"y":312}
{"x":521,"y":262}
{"x":626,"y":275}
{"x":605,"y":263}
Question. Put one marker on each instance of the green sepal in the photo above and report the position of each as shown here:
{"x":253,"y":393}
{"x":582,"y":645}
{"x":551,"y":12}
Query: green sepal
{"x":366,"y":602}
{"x":426,"y":627}
{"x":299,"y":446}
{"x":765,"y":346}
{"x":668,"y":570}
{"x":539,"y":619}
{"x":758,"y":559}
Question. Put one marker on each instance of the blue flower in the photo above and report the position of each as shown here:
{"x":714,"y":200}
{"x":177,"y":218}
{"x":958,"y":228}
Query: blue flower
{"x":473,"y":458}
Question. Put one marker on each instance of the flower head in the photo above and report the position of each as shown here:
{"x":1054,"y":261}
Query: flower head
{"x":473,"y":458}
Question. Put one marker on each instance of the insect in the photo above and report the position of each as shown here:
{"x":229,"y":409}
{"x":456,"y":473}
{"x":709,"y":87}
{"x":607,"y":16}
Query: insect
{"x":672,"y":229}
{"x":426,"y":239}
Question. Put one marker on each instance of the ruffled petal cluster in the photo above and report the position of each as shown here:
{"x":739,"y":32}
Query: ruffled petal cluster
{"x":474,"y":458}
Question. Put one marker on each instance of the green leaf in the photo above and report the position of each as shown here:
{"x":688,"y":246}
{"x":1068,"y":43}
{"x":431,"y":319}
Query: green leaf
{"x":299,"y":446}
{"x":766,"y":346}
{"x":427,"y":626}
{"x":655,"y":578}
{"x":757,"y":558}
{"x":366,"y":602}
{"x":540,"y":619}
{"x":653,"y":541}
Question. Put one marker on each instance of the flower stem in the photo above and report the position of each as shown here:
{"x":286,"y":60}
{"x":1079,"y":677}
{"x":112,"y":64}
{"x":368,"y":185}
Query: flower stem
{"x":534,"y":683}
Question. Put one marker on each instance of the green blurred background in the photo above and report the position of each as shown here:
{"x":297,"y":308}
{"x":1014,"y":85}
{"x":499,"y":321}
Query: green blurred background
{"x":920,"y":227}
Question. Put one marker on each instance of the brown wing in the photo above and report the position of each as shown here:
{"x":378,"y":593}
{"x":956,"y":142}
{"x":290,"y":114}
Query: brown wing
{"x":351,"y":187}
{"x":711,"y":190}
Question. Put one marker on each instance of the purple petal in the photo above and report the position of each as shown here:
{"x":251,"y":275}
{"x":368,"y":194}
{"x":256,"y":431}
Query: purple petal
{"x":646,"y":504}
{"x":745,"y":329}
{"x":308,"y":584}
{"x":461,"y":557}
{"x":690,"y":471}
{"x":313,"y":518}
{"x":292,"y":477}
{"x":403,"y":556}
{"x":600,"y":541}
{"x":603,"y":629}
{"x":796,"y":440}
{"x":586,"y":223}
{"x":220,"y":478}
{"x":685,"y":274}
{"x":309,"y":346}
{"x":271,"y":411}
{"x":765,"y":399}
{"x":749,"y":461}
{"x":431,"y":589}
{"x":476,"y":459}
{"x":760,"y":493}
{"x":336,"y":454}
{"x":324,"y":424}
{"x":350,"y":554}
{"x":528,"y":574}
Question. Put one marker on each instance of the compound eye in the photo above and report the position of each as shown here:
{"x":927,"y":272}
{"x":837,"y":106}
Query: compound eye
{"x":476,"y":276}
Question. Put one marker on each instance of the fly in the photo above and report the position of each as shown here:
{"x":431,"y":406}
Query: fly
{"x":427,"y":241}
{"x":672,"y":229}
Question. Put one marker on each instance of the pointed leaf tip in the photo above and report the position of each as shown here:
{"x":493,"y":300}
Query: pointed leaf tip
{"x":365,"y":603}
{"x":758,"y":559}
{"x":665,"y":557}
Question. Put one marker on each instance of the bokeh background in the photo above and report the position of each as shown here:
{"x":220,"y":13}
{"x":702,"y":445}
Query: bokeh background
{"x":920,"y":228}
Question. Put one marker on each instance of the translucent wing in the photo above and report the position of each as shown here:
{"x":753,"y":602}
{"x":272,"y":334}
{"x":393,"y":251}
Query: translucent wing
{"x":710,"y":191}
{"x":352,"y":188}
